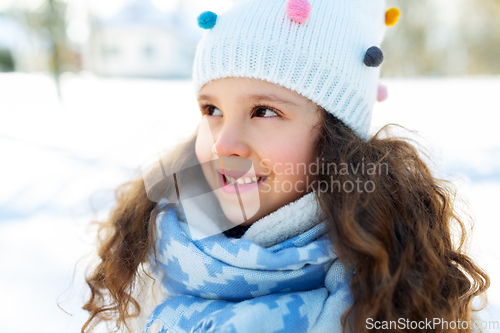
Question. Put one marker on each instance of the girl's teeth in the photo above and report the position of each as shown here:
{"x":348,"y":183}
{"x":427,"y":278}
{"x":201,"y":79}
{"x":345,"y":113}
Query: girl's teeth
{"x":242,"y":181}
{"x":230,"y":180}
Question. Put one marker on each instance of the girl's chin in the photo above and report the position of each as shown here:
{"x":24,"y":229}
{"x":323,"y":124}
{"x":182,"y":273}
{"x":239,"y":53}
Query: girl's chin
{"x":234,"y":214}
{"x":240,"y":212}
{"x":240,"y":203}
{"x":236,"y":218}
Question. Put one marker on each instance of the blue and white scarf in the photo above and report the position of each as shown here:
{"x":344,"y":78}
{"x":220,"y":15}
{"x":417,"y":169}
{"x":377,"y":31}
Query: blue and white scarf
{"x":221,"y":284}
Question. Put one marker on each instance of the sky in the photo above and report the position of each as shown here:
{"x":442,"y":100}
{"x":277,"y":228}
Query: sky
{"x":77,"y":11}
{"x":109,"y":7}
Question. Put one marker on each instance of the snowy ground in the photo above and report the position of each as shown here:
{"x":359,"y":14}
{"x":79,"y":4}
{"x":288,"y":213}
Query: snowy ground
{"x":62,"y":160}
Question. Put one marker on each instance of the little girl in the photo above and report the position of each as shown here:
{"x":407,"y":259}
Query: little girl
{"x":283,"y":214}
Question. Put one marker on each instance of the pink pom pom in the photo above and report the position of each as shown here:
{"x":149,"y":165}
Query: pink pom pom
{"x":298,"y":10}
{"x":382,"y":93}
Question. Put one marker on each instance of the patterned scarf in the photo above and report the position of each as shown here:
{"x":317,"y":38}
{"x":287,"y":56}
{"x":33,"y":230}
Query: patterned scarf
{"x":221,"y":284}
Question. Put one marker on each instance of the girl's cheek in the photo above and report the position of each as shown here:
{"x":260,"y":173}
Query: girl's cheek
{"x":203,"y":155}
{"x":200,"y":150}
{"x":204,"y":142}
{"x":292,"y":164}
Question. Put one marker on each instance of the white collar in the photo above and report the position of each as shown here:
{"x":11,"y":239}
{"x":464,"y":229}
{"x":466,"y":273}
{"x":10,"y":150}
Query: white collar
{"x":286,"y":222}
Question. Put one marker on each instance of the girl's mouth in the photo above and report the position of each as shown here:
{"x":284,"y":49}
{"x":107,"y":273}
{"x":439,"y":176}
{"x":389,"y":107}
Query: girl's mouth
{"x":242,"y":181}
{"x":231,"y":185}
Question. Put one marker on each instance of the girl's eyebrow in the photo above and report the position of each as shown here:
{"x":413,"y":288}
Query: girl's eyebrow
{"x":256,"y":98}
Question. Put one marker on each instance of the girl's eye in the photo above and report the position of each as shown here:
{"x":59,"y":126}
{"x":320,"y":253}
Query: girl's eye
{"x":213,"y":111}
{"x":265,"y":112}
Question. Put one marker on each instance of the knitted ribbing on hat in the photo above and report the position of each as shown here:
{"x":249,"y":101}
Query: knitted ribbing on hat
{"x":322,"y":59}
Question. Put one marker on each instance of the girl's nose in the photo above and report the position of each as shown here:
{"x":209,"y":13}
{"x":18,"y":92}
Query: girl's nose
{"x":231,"y":142}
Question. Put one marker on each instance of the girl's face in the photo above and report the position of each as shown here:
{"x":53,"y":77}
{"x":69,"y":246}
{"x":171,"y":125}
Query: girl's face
{"x":273,"y":127}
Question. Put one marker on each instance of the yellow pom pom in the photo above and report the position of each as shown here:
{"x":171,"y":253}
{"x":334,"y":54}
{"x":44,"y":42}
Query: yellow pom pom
{"x":392,"y":16}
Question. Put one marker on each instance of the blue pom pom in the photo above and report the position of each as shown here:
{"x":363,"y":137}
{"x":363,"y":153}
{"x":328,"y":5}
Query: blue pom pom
{"x":374,"y":57}
{"x":207,"y":20}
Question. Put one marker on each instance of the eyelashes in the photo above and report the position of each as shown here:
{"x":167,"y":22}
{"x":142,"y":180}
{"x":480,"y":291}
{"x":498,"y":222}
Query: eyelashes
{"x":265,"y":107}
{"x":208,"y":109}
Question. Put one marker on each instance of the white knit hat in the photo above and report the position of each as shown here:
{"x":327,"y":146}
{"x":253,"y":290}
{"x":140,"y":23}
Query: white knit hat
{"x":317,"y":48}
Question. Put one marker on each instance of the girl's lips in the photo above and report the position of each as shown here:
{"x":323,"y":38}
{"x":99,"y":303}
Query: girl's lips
{"x":230,"y":188}
{"x":238,"y":174}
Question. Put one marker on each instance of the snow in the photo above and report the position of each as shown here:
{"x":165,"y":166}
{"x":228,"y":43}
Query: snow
{"x":61,"y":161}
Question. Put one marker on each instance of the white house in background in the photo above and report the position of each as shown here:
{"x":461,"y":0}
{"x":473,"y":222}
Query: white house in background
{"x":27,"y":51}
{"x":142,"y":41}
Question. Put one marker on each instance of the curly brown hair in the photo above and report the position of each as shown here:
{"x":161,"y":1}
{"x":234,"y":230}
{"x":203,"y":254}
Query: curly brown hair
{"x":397,"y":238}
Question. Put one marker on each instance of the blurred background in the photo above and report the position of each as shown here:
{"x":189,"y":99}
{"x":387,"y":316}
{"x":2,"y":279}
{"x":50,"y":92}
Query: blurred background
{"x":90,"y":90}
